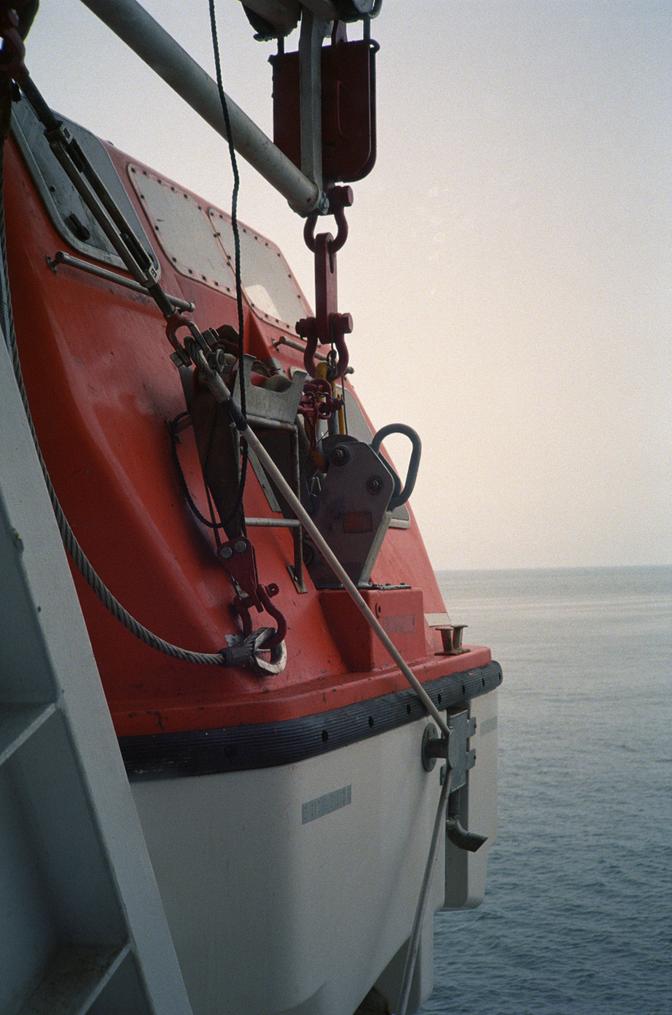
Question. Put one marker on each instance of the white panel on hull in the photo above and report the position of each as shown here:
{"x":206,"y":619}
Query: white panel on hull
{"x":271,"y":913}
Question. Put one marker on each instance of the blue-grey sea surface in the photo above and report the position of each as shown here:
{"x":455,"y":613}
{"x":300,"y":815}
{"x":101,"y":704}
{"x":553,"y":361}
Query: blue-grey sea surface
{"x":577,"y":918}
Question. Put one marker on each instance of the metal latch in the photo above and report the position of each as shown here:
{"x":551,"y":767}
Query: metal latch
{"x":454,"y":750}
{"x":459,"y":758}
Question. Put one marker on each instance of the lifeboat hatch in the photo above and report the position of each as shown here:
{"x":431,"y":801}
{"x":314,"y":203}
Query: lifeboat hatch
{"x":71,"y":217}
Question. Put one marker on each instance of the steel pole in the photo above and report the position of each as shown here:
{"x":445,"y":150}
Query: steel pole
{"x":222,"y":394}
{"x":158,"y":49}
{"x":335,"y":566}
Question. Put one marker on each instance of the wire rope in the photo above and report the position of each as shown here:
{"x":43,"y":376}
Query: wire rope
{"x":70,"y":541}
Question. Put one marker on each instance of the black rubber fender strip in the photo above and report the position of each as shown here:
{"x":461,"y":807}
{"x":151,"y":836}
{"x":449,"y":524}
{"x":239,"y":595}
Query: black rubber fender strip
{"x":242,"y":748}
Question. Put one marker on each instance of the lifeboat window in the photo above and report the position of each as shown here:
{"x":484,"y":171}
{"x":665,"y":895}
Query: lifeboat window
{"x":69,"y":214}
{"x":270,"y":286}
{"x":183,"y":229}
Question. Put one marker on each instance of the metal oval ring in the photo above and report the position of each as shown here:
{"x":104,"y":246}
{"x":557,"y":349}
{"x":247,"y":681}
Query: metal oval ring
{"x":277,"y":655}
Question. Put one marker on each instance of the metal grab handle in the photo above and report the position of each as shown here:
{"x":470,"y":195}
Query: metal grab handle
{"x":401,"y":495}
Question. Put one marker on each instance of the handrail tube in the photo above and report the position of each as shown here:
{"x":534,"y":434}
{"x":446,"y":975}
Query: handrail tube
{"x":158,"y":49}
{"x":61,"y":257}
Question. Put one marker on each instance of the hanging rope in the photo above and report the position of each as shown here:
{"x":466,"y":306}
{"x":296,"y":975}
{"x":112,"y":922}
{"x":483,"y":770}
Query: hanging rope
{"x":236,"y":239}
{"x":173,"y":430}
{"x":421,"y":905}
{"x":210,"y":523}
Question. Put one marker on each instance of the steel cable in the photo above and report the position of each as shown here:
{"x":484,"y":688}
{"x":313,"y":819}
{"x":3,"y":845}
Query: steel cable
{"x":70,"y":541}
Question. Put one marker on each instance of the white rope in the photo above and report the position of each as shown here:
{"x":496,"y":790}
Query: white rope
{"x":414,"y":940}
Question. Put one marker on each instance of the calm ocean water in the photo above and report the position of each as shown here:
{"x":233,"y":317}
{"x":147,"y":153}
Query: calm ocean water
{"x":577,"y":919}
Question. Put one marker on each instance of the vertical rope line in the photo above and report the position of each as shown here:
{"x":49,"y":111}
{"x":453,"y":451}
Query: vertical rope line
{"x":234,"y":228}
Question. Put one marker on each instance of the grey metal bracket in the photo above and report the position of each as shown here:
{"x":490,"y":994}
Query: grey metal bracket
{"x":352,"y":510}
{"x":459,"y":758}
{"x":271,"y":405}
{"x":454,"y":750}
{"x":270,"y":410}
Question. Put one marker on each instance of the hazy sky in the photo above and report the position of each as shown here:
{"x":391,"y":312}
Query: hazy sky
{"x":508,"y":267}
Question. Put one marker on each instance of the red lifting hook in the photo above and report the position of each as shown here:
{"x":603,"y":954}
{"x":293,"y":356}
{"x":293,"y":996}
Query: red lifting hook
{"x":328,"y":327}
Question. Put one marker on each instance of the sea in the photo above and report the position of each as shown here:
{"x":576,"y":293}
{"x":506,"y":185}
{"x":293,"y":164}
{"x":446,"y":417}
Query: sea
{"x":577,"y":917}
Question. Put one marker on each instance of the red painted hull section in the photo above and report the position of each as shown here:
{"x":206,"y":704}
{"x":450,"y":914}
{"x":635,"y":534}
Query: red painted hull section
{"x":102,"y":388}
